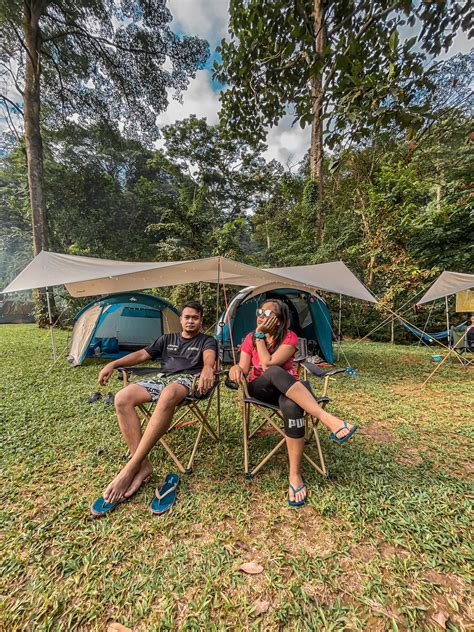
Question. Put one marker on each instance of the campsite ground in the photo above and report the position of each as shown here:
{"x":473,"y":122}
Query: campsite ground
{"x":382,"y":545}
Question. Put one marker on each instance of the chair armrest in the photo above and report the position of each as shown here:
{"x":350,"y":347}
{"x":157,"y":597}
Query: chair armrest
{"x":317,"y":371}
{"x":136,"y":370}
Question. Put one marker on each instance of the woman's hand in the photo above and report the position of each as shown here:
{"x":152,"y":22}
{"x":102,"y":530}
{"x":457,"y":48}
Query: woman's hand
{"x":236,"y":374}
{"x":268,"y":326}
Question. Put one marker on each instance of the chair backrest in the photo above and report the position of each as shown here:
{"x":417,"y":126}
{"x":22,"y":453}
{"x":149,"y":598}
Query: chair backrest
{"x":456,"y":335}
{"x":302,"y":351}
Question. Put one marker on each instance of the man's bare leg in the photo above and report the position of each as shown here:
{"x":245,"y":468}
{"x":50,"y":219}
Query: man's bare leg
{"x":171,"y":396}
{"x":130,"y":427}
{"x":300,"y":394}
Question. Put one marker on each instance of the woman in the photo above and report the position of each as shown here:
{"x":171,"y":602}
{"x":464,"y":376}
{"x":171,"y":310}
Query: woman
{"x":266,"y":356}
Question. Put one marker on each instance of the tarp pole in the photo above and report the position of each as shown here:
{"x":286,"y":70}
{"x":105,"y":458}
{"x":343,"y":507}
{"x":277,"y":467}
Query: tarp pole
{"x":339,"y":328}
{"x":51,"y":328}
{"x":447,"y":320}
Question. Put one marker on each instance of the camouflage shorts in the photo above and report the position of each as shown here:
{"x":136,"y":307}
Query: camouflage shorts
{"x":155,"y":384}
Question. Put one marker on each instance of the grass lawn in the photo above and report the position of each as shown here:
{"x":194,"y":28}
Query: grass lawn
{"x":383,"y":545}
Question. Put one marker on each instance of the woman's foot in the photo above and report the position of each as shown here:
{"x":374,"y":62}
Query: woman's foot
{"x":297,"y":492}
{"x":340,"y":428}
{"x":127,"y":482}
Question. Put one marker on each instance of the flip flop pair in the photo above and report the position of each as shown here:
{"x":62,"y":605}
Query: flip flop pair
{"x":341,"y":440}
{"x":165,"y":498}
{"x":108,"y":399}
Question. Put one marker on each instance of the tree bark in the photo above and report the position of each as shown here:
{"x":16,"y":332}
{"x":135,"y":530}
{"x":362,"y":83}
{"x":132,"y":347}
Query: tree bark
{"x":34,"y":142}
{"x":317,"y":149}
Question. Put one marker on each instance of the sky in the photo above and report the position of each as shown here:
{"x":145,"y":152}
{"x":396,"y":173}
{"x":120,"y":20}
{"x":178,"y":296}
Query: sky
{"x":209,"y":19}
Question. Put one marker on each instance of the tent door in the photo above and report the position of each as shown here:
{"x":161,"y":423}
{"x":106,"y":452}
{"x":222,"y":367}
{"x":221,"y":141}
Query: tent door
{"x":83,"y":333}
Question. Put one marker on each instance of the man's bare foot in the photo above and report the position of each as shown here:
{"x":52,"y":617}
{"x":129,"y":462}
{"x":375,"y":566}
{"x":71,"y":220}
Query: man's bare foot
{"x":116,"y":490}
{"x":296,"y":481}
{"x":143,"y":473}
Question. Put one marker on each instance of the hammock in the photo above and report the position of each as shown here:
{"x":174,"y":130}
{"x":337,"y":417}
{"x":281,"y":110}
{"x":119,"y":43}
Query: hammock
{"x":426,"y":337}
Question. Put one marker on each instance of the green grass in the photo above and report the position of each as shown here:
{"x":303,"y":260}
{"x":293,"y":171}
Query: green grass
{"x":382,"y":545}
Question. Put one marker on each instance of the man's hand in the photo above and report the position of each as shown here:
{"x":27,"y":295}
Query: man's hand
{"x":105,"y":373}
{"x":236,"y":374}
{"x":268,"y":326}
{"x":206,"y":380}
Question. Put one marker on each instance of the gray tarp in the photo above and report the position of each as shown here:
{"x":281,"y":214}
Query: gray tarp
{"x":448,"y":283}
{"x":88,"y":276}
{"x":331,"y":277}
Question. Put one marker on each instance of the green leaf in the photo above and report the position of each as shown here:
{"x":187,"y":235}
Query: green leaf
{"x":393,"y":41}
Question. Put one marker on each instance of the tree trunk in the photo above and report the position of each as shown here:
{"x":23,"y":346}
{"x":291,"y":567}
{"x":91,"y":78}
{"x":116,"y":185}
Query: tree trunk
{"x":34,"y":143}
{"x":317,"y":149}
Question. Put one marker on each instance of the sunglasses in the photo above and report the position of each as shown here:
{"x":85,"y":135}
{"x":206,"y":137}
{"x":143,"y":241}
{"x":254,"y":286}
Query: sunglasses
{"x":265,"y":312}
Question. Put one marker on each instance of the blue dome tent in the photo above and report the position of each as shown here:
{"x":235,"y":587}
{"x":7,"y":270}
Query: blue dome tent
{"x":309,"y":318}
{"x":113,"y":326}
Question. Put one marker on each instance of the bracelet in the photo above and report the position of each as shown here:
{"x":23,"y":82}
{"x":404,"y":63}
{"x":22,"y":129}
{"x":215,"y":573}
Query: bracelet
{"x":260,"y":335}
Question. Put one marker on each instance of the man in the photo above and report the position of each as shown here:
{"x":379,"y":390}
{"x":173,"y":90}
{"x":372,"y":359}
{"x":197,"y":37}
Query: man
{"x":183,"y":355}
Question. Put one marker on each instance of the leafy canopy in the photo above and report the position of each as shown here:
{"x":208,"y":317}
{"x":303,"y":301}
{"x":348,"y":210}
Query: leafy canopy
{"x":102,"y":60}
{"x":370,"y":77}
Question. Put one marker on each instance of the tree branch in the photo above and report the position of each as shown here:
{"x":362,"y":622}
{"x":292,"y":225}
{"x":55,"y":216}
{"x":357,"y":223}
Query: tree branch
{"x":14,"y":78}
{"x":7,"y":100}
{"x":20,"y":39}
{"x":11,"y":125}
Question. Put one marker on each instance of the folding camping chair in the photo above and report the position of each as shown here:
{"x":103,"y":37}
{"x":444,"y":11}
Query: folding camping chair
{"x":273,"y":418}
{"x":195,"y":407}
{"x":462,"y":343}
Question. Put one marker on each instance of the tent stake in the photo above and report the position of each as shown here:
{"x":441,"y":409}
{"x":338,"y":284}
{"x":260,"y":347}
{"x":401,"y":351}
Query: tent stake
{"x":51,"y":328}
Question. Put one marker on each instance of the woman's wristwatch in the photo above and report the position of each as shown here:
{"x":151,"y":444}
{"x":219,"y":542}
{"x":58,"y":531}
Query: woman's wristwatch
{"x":260,"y":335}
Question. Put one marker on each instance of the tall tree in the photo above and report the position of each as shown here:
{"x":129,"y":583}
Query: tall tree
{"x":233,"y":174}
{"x":341,"y":65}
{"x":101,"y":60}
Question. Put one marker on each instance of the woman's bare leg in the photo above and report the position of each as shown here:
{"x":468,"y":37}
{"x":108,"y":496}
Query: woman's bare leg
{"x":295,"y":449}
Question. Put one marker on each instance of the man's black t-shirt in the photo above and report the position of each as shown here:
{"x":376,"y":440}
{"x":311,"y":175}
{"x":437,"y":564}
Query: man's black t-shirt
{"x":181,"y":355}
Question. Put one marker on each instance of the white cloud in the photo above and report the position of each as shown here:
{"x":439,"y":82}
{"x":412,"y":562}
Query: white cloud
{"x":461,"y":44}
{"x":287,"y":143}
{"x":204,"y":18}
{"x":199,"y":99}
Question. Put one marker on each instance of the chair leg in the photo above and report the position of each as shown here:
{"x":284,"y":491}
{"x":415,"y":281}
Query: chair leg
{"x":267,"y":458}
{"x":204,"y":423}
{"x":177,"y":462}
{"x":321,"y":468}
{"x":245,"y":408}
{"x":189,"y":469}
{"x":218,"y":406}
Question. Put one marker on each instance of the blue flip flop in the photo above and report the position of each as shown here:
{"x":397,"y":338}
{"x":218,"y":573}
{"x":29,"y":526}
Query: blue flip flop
{"x":101,"y":507}
{"x":341,"y":440}
{"x":165,"y":496}
{"x":294,"y":503}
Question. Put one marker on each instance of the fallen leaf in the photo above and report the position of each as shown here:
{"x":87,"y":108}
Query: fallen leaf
{"x":242,"y":545}
{"x":251,"y":568}
{"x":118,"y":627}
{"x":260,"y":606}
{"x":441,"y":618}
